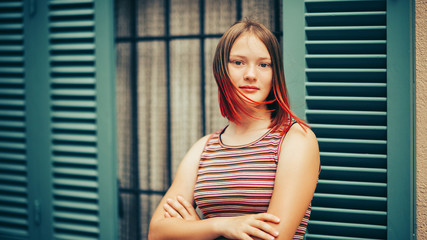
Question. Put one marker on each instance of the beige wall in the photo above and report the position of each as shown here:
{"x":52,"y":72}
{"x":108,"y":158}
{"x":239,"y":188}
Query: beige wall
{"x":421,"y":107}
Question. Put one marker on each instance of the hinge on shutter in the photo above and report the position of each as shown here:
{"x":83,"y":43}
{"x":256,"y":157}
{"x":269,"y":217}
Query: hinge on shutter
{"x":32,"y":8}
{"x":37,"y":212}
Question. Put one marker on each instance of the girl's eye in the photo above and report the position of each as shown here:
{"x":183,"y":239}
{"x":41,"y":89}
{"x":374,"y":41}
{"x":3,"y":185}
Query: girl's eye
{"x":238,"y":63}
{"x":264,"y":65}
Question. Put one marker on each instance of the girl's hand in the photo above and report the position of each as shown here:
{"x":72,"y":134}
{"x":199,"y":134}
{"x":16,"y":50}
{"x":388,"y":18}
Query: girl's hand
{"x":180,"y":208}
{"x":249,"y":227}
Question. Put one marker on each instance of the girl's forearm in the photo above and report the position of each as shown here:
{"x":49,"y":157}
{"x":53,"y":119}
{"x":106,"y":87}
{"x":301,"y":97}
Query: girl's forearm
{"x":176,"y":229}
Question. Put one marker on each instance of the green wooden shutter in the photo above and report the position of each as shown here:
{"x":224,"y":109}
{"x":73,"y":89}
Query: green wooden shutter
{"x":336,"y":59}
{"x":81,"y":122}
{"x":13,"y":168}
{"x":59,"y":178}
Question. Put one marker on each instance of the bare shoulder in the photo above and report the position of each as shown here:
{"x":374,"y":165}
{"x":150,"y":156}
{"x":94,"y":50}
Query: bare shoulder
{"x":301,"y":133}
{"x":196,"y":150}
{"x":200,"y":144}
{"x":300,"y":143}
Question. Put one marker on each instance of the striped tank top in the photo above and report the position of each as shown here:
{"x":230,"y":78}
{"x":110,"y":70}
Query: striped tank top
{"x":239,"y":180}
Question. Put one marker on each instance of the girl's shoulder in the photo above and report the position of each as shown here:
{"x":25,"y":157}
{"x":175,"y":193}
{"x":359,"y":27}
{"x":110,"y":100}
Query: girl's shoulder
{"x":299,"y":134}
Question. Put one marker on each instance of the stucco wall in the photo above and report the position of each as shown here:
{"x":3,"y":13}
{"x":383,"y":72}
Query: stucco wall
{"x":421,"y":111}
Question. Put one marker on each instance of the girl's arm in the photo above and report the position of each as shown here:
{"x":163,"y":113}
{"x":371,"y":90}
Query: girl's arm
{"x":296,"y":179}
{"x":163,"y":226}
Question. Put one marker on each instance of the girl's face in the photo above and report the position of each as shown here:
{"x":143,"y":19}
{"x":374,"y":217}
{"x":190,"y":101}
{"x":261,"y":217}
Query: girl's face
{"x":250,"y":68}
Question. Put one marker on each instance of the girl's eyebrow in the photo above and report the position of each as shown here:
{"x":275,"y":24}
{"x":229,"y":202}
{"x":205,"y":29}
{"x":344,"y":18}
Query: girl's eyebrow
{"x":260,"y":58}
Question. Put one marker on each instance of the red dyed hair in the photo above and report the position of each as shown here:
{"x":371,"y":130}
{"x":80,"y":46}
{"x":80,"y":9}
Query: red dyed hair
{"x":230,"y":102}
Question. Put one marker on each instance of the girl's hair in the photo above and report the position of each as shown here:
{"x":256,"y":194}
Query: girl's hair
{"x":230,"y":101}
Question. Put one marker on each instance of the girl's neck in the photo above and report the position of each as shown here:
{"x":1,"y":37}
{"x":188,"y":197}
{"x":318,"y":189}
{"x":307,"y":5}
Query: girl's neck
{"x":245,"y":131}
{"x":249,"y":124}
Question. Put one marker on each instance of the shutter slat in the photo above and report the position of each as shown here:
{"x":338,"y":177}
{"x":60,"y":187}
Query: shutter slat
{"x":12,"y":70}
{"x":77,"y":228}
{"x":11,"y":38}
{"x":12,"y":135}
{"x":74,"y":149}
{"x":346,"y":32}
{"x":346,"y":61}
{"x":348,"y":201}
{"x":83,"y":196}
{"x":11,"y":4}
{"x":73,"y":236}
{"x":69,"y":2}
{"x":346,"y":103}
{"x":75,"y":160}
{"x":349,"y":131}
{"x":71,"y":13}
{"x":11,"y":26}
{"x":74,"y":126}
{"x":72,"y":46}
{"x":12,"y":92}
{"x":346,"y":89}
{"x":81,"y":184}
{"x":74,"y":104}
{"x":74,"y":115}
{"x":12,"y":156}
{"x":74,"y":92}
{"x":73,"y":81}
{"x":70,"y":58}
{"x":10,"y":16}
{"x":346,"y":47}
{"x":75,"y":171}
{"x":352,"y":187}
{"x":11,"y":124}
{"x":353,"y":159}
{"x":76,"y":217}
{"x":72,"y":35}
{"x":13,"y":103}
{"x":11,"y":48}
{"x":343,"y":70}
{"x":76,"y":205}
{"x":346,"y":117}
{"x":12,"y":210}
{"x":11,"y":81}
{"x":13,"y":221}
{"x":11,"y":189}
{"x":12,"y":146}
{"x":81,"y":69}
{"x":12,"y":113}
{"x":352,"y":229}
{"x":359,"y":174}
{"x":13,"y":167}
{"x":13,"y":178}
{"x":345,"y":18}
{"x":14,"y":200}
{"x":10,"y":59}
{"x":72,"y":24}
{"x":349,"y":215}
{"x":78,"y":138}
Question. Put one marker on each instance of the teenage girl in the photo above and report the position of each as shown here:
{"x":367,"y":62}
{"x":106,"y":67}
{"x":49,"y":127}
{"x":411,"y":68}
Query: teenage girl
{"x":255,"y":178}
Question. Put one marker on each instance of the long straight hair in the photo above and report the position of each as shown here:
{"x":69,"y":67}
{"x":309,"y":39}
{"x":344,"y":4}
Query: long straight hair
{"x":230,"y":102}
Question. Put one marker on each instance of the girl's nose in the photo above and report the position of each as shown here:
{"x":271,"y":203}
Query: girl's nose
{"x":250,"y":74}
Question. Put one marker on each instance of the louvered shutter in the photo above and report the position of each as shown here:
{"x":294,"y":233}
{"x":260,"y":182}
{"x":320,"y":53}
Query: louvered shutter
{"x":82,"y":99}
{"x":13,"y":167}
{"x":336,"y":68}
{"x":81,"y":124}
{"x":65,"y":86}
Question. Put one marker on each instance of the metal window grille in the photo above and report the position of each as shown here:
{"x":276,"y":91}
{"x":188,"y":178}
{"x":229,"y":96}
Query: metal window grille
{"x":166,"y":95}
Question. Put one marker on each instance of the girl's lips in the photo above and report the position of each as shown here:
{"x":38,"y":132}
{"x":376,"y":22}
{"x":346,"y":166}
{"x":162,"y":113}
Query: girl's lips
{"x":249,"y":89}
